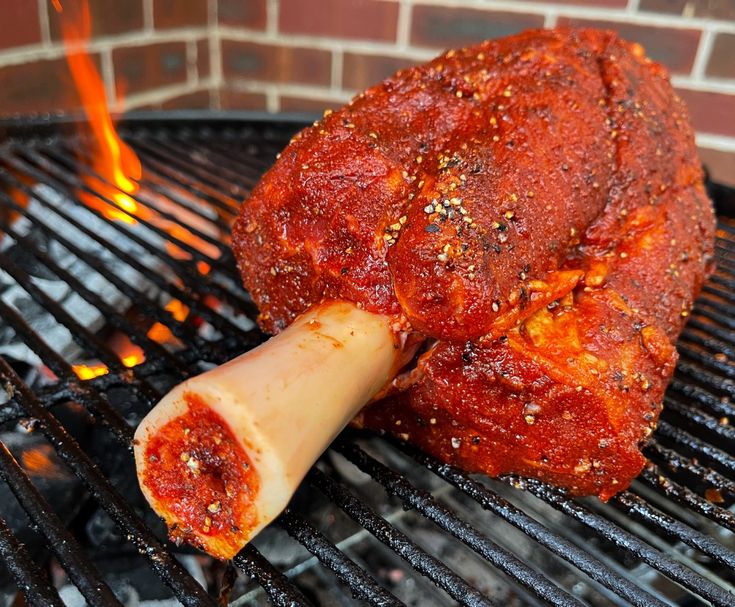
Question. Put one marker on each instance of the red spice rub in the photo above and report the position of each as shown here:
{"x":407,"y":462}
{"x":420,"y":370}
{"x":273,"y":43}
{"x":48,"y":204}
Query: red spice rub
{"x":534,"y":207}
{"x":196,"y":467}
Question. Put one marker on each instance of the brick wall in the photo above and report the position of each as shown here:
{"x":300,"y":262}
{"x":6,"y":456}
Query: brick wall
{"x":306,"y":55}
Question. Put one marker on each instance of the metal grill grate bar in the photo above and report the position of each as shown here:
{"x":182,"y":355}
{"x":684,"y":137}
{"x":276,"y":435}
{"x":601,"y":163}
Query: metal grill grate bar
{"x":202,"y":174}
{"x":419,"y":559}
{"x":185,"y":588}
{"x":653,"y":478}
{"x":278,"y":587}
{"x":152,"y":348}
{"x":422,"y":502}
{"x":30,"y":580}
{"x":219,"y":322}
{"x":80,"y":334}
{"x":683,"y":465}
{"x":82,"y":572}
{"x":183,"y":271}
{"x":627,"y":541}
{"x":636,"y":507}
{"x":492,"y":502}
{"x":362,"y":585}
{"x":62,"y":369}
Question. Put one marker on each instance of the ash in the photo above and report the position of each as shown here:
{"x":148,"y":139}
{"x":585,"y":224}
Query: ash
{"x":37,"y":457}
{"x":41,"y":209}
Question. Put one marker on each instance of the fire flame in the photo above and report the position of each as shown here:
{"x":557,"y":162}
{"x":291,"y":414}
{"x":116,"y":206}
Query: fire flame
{"x":40,"y":462}
{"x":161,"y":333}
{"x":90,"y":371}
{"x":114,"y":161}
{"x":129,"y":353}
{"x":116,"y":172}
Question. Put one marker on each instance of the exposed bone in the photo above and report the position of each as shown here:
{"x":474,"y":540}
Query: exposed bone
{"x":284,"y":401}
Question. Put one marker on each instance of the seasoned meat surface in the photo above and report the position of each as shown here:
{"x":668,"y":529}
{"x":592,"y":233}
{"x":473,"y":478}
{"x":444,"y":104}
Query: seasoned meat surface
{"x":533,"y":208}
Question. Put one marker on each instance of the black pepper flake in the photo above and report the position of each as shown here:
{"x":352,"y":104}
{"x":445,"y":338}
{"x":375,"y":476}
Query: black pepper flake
{"x":496,"y":248}
{"x":344,"y":271}
{"x":432,"y":228}
{"x":468,"y":353}
{"x":503,"y":339}
{"x":475,"y":440}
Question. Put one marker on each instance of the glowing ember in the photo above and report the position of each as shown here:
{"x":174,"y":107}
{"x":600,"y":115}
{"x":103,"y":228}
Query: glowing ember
{"x":161,"y":333}
{"x":181,"y":233}
{"x":90,"y":371}
{"x":133,"y":359}
{"x":129,"y":353}
{"x":39,"y":462}
{"x":114,"y":161}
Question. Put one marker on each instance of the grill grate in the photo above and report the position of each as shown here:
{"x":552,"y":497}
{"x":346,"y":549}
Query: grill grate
{"x":393,"y":525}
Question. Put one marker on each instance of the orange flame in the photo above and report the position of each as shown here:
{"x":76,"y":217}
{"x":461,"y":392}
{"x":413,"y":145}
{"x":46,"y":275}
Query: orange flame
{"x":114,"y":161}
{"x":39,"y":461}
{"x":90,"y":371}
{"x":129,"y":353}
{"x":160,"y":332}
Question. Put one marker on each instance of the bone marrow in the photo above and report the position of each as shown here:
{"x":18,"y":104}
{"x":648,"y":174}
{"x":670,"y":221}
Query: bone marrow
{"x":196,"y":466}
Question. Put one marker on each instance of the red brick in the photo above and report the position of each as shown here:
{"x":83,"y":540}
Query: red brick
{"x":147,"y":67}
{"x":198,"y":100}
{"x":39,"y":86}
{"x":253,"y":61}
{"x":362,"y":71}
{"x":231,"y":99}
{"x":710,"y":112}
{"x":716,"y":9}
{"x":673,"y":47}
{"x":369,"y":19}
{"x":444,"y":27}
{"x":720,"y":165}
{"x":242,"y":13}
{"x":108,"y":16}
{"x":19,"y":24}
{"x":672,"y":7}
{"x":312,"y":106}
{"x":169,"y":14}
{"x":721,"y":62}
{"x":203,"y":64}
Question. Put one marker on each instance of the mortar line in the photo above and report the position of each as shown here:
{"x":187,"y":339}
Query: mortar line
{"x":43,"y":22}
{"x":337,"y":66}
{"x":403,"y":24}
{"x":704,"y":51}
{"x":148,"y":16}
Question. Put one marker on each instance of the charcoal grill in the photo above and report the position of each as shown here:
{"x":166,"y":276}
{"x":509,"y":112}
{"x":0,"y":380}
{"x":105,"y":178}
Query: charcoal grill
{"x":376,"y":521}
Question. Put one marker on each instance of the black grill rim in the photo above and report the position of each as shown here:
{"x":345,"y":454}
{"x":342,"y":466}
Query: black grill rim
{"x":680,"y":452}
